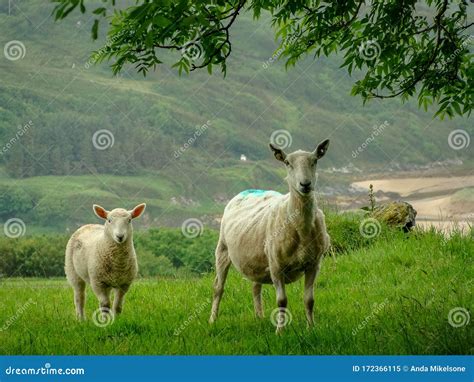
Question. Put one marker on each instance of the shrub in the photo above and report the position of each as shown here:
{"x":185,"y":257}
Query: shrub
{"x":160,"y":252}
{"x":14,"y":202}
{"x":166,"y":252}
{"x":345,"y":232}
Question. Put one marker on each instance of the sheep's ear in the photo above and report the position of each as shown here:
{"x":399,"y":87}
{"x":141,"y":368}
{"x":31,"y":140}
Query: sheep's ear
{"x":100,"y":212}
{"x":321,"y":149}
{"x":138,"y":210}
{"x":279,"y":153}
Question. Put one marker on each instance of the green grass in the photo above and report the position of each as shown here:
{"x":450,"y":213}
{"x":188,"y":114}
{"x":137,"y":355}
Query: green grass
{"x":465,"y":195}
{"x":417,"y":279}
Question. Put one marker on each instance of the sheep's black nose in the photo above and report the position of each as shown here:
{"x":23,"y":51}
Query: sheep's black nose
{"x":119,"y":237}
{"x":305,"y":187}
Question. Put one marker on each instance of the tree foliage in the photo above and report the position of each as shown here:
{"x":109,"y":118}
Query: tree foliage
{"x":404,"y":48}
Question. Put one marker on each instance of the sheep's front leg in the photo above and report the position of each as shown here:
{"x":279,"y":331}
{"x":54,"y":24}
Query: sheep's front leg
{"x":282,"y":302}
{"x":310,"y":276}
{"x":119,"y":298}
{"x":102,"y":293}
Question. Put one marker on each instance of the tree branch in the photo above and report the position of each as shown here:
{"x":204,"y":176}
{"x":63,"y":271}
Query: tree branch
{"x":226,"y":41}
{"x":438,"y":25}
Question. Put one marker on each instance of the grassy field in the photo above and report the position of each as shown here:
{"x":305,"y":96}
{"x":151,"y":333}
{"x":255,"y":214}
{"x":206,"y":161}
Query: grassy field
{"x":392,"y":298}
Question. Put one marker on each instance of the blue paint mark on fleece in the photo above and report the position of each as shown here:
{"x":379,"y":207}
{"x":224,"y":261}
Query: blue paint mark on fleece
{"x":258,"y":192}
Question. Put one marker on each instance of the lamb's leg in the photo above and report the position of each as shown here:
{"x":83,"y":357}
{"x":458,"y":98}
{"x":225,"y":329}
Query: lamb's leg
{"x":118,"y":299}
{"x":310,"y":276}
{"x":102,"y":293}
{"x":80,"y":298}
{"x":222,"y":268}
{"x":282,"y":302}
{"x":77,"y":283}
{"x":257,"y":299}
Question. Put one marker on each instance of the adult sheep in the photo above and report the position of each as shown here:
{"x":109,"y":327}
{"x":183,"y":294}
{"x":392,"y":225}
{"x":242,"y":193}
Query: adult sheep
{"x":104,"y":257}
{"x":275,"y":238}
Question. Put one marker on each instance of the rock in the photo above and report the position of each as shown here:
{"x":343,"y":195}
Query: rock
{"x":398,"y":214}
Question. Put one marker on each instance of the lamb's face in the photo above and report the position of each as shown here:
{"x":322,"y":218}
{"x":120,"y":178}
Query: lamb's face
{"x":301,"y":167}
{"x":118,"y":225}
{"x":118,"y":222}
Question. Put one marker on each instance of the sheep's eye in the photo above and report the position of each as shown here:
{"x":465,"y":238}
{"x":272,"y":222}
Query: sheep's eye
{"x":286,"y":162}
{"x":129,"y":220}
{"x":109,"y":220}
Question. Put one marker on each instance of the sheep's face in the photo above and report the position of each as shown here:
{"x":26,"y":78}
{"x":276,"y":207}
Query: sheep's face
{"x":301,"y":167}
{"x":118,"y":222}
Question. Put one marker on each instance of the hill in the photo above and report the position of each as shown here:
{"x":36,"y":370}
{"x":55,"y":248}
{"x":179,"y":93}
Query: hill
{"x":177,"y":141}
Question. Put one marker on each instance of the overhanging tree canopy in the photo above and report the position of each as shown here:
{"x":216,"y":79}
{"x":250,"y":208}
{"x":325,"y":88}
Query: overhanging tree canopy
{"x":405,"y":48}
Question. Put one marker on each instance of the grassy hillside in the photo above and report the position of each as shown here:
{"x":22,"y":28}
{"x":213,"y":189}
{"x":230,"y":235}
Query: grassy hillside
{"x":395,"y":297}
{"x":55,"y":161}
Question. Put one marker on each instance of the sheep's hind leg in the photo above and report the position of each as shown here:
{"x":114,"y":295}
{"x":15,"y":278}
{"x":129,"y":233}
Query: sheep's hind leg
{"x":222,"y":269}
{"x":80,"y":298}
{"x":257,"y":299}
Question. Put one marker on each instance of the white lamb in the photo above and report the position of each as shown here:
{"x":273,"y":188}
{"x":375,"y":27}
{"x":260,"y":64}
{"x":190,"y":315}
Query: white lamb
{"x":104,"y":257}
{"x":275,"y":238}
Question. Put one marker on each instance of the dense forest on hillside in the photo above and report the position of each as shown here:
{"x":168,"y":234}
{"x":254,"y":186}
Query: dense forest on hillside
{"x":67,"y":100}
{"x":72,"y":134}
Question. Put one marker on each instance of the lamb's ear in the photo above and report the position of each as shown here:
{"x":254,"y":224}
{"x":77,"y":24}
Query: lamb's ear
{"x":138,"y":210}
{"x":279,"y":153}
{"x":321,"y":149}
{"x":100,"y":212}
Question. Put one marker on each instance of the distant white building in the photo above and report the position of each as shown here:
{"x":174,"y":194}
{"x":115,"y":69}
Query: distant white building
{"x":243,"y":157}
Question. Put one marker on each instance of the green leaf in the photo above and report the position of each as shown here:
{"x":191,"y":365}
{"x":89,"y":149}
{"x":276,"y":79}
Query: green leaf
{"x":100,"y":11}
{"x":95,"y":29}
